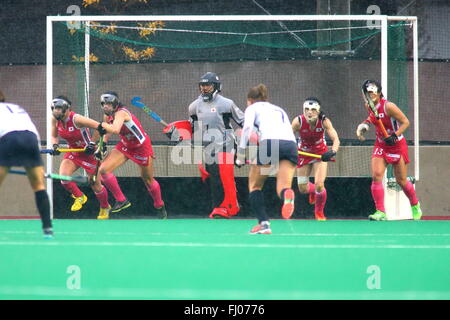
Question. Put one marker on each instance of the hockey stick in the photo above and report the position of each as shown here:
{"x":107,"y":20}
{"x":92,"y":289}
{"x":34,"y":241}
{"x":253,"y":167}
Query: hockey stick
{"x":61,"y":150}
{"x":373,"y":109}
{"x":318,"y":156}
{"x":136,"y":102}
{"x":99,"y":161}
{"x":77,"y":179}
{"x":310,"y":154}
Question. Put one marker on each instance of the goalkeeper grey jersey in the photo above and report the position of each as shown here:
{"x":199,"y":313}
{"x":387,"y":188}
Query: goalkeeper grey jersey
{"x":212,"y":122}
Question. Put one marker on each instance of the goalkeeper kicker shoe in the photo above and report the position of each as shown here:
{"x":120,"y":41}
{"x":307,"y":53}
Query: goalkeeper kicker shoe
{"x":103,"y":214}
{"x":378,"y":216}
{"x":120,"y":205}
{"x":219,"y":213}
{"x":78,"y":203}
{"x":261,"y":228}
{"x":416,"y":211}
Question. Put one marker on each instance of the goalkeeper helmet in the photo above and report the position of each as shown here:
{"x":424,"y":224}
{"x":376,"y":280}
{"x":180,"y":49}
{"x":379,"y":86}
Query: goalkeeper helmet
{"x":60,"y":102}
{"x":210,"y":78}
{"x":371,"y":86}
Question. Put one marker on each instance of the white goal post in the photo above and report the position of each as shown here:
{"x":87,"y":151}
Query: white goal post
{"x":382,"y":20}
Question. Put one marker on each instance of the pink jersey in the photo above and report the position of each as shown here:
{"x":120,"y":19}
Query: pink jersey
{"x":312,"y":140}
{"x":77,"y":138}
{"x":392,"y":154}
{"x":132,"y":134}
{"x":390,"y":124}
{"x":135,"y":144}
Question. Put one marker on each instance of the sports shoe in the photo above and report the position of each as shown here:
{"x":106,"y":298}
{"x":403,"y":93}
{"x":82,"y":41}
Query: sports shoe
{"x":312,"y":197}
{"x":161,"y":212}
{"x":219,"y":213}
{"x":78,"y":203}
{"x":262,"y":228}
{"x":320,"y":216}
{"x":103,"y":214}
{"x":288,"y":206}
{"x":120,"y":205}
{"x":378,"y":216}
{"x":416,"y":211}
{"x":48,"y":233}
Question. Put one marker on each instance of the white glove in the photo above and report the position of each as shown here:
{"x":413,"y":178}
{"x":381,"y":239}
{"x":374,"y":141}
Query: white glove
{"x":361,"y":130}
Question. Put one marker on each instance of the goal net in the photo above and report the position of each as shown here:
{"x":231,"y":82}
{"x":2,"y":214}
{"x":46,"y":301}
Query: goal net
{"x":161,"y":59}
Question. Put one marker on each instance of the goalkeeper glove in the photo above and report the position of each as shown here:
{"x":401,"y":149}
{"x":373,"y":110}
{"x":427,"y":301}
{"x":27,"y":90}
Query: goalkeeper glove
{"x":173,"y":134}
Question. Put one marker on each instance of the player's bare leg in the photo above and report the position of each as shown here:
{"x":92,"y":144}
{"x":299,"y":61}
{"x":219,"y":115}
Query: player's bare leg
{"x":3,"y":173}
{"x":304,"y":186}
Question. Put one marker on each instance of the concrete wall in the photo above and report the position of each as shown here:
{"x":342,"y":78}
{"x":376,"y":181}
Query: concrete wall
{"x":17,"y":199}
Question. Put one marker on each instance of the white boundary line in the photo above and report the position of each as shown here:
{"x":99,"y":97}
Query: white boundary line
{"x":55,"y":243}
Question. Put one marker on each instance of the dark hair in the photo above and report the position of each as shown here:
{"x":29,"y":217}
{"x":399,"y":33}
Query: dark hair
{"x":2,"y":97}
{"x":258,"y":93}
{"x":314,"y":99}
{"x":65,"y":98}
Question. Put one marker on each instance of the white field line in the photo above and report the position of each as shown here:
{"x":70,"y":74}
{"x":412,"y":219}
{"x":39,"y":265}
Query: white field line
{"x":233,"y":294}
{"x":54,"y":243}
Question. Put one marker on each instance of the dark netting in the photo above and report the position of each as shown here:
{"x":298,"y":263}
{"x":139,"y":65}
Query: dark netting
{"x":161,"y":62}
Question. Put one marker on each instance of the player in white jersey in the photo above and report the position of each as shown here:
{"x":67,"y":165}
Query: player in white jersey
{"x":19,"y":146}
{"x":277,"y":146}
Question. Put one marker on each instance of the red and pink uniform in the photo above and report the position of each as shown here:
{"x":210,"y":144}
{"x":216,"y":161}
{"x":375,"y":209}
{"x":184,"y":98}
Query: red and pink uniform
{"x":391,"y":154}
{"x":134,"y":143}
{"x":77,"y":138}
{"x":312,"y":140}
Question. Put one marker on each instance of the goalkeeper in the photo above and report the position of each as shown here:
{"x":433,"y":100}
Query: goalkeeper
{"x":210,"y":115}
{"x":311,"y":127}
{"x":387,"y":150}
